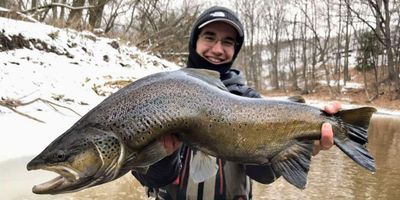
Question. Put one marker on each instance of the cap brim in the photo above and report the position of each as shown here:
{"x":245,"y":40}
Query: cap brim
{"x":230,"y":22}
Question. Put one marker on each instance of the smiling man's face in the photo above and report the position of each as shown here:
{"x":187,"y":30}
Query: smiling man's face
{"x":216,"y":43}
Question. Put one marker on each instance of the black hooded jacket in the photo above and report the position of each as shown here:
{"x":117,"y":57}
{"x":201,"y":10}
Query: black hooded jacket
{"x":163,"y":173}
{"x":234,"y":81}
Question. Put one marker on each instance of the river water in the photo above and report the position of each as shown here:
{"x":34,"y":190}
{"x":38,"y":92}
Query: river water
{"x":332,"y":175}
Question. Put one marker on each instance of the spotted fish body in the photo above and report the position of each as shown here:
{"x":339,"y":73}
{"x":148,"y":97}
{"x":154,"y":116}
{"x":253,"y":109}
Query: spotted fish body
{"x":194,"y":104}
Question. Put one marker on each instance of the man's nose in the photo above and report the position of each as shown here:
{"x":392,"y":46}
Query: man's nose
{"x":218,"y":48}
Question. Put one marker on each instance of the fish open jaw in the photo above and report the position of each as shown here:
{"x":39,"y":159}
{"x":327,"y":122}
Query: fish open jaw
{"x":66,"y":181}
{"x":49,"y":186}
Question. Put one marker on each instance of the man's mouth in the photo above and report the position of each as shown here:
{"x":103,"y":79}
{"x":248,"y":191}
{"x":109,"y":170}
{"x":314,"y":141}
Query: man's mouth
{"x":215,"y":60}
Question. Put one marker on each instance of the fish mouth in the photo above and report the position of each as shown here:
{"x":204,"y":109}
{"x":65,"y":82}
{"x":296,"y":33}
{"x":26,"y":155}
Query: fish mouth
{"x":67,"y":181}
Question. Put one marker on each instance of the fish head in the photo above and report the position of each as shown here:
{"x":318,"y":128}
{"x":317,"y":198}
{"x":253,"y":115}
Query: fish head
{"x":82,"y":157}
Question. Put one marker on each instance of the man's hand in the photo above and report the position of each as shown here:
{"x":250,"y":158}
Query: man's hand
{"x":326,"y":141}
{"x":171,"y":143}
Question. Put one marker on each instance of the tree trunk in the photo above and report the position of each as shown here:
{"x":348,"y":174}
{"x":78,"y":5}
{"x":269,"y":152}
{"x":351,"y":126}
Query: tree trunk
{"x":275,"y":57}
{"x":304,"y":58}
{"x":96,"y":14}
{"x":34,"y":4}
{"x":258,"y":56}
{"x":313,"y":64}
{"x":54,"y":10}
{"x":62,"y":11}
{"x":376,"y":85}
{"x":365,"y":82}
{"x":393,"y":73}
{"x":75,"y":16}
{"x":338,"y":59}
{"x":346,"y":74}
{"x":4,"y":3}
{"x":293,"y":56}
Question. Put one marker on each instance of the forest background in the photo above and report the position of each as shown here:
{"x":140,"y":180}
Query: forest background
{"x":318,"y":49}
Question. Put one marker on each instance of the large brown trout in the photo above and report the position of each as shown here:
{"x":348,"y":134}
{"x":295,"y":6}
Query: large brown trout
{"x":120,"y":134}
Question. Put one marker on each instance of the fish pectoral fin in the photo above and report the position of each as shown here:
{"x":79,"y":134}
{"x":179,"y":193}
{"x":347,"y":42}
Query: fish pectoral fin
{"x":147,"y":156}
{"x":293,"y":163}
{"x":209,"y":76}
{"x":202,"y":166}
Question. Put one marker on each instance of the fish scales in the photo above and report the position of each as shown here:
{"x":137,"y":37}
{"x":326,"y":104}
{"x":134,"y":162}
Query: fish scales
{"x":197,"y":106}
{"x":194,"y":105}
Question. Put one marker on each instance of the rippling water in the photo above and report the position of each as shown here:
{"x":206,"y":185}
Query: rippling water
{"x":332,"y":175}
{"x":335,"y":176}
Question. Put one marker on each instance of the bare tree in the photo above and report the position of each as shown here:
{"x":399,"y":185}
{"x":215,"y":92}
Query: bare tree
{"x":62,"y":12}
{"x":96,"y":13}
{"x":75,"y":16}
{"x":118,"y":8}
{"x":5,"y":3}
{"x":346,"y":74}
{"x":162,"y":29}
{"x":339,"y":52}
{"x":34,"y":4}
{"x":304,"y":51}
{"x":250,"y":13}
{"x":381,"y":9}
{"x":132,"y":18}
{"x":293,"y":53}
{"x":54,"y":10}
{"x":320,"y":45}
{"x":274,"y":24}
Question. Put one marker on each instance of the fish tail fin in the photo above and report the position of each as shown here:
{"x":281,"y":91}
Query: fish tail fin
{"x":293,"y":163}
{"x":353,"y":141}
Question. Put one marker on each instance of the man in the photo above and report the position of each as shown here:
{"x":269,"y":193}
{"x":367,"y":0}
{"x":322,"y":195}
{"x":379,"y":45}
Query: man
{"x":215,"y":41}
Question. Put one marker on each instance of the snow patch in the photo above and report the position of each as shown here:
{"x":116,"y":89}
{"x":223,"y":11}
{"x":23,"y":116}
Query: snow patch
{"x":79,"y":78}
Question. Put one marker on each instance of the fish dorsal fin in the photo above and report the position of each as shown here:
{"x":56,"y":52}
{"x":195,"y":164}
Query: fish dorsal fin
{"x":297,"y":99}
{"x":293,"y":163}
{"x":202,"y":166}
{"x":209,"y":76}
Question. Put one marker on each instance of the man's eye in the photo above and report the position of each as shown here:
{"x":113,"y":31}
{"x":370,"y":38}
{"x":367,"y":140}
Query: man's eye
{"x":228,"y":43}
{"x":209,"y":38}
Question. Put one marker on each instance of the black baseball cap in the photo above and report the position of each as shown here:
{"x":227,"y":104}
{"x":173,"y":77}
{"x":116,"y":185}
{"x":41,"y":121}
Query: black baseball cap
{"x":221,"y":15}
{"x":214,"y":14}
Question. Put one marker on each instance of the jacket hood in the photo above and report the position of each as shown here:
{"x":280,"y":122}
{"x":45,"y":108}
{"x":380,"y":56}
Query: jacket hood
{"x":210,"y":15}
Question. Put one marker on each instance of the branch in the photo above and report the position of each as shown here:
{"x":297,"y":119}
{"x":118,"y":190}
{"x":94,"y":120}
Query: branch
{"x":375,"y":7}
{"x":51,"y":5}
{"x":21,"y":113}
{"x":16,"y":15}
{"x":50,"y":104}
{"x":12,"y":104}
{"x":358,"y":15}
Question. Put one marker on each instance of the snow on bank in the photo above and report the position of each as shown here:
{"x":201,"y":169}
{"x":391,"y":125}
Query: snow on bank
{"x":83,"y":70}
{"x":84,"y":67}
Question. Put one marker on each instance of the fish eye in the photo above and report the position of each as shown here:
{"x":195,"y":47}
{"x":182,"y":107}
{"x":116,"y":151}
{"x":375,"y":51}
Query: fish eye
{"x":59,"y":155}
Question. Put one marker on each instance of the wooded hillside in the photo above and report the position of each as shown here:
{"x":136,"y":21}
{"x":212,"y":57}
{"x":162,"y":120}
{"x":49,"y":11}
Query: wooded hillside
{"x":290,"y":45}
